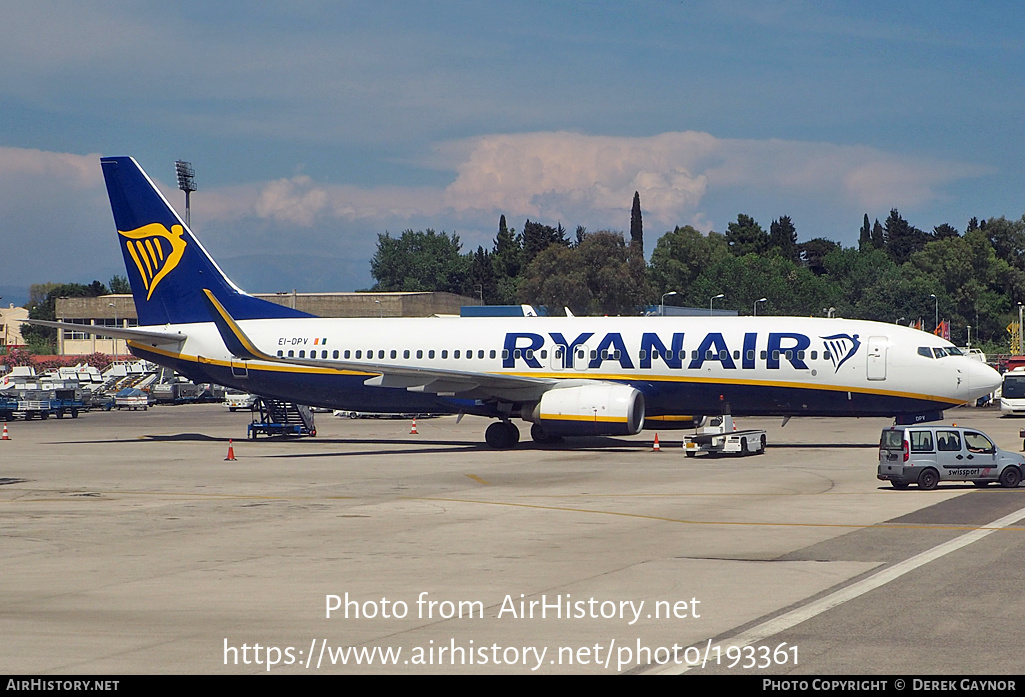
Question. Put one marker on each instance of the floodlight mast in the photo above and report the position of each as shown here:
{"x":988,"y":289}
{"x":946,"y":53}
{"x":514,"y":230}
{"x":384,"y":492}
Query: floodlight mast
{"x":187,"y":183}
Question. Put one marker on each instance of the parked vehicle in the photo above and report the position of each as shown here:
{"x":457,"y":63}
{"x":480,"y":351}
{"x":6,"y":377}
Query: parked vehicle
{"x":927,"y":455}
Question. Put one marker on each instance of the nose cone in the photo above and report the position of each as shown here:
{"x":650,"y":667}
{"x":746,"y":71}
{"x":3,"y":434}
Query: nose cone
{"x":982,"y":380}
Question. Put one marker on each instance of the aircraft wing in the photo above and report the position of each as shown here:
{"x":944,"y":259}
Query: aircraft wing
{"x":145,"y":335}
{"x":471,"y":385}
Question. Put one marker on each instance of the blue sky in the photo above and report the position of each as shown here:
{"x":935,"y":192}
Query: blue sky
{"x":315,"y":126}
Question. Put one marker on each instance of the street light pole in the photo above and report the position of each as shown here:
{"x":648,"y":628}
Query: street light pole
{"x":662,"y":305}
{"x":936,"y":322}
{"x":716,"y":297}
{"x":754,"y":308}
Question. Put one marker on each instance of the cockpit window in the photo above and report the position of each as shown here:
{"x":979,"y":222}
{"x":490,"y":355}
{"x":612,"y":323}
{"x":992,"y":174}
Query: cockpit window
{"x":954,"y":351}
{"x":924,"y":351}
{"x":939,"y":352}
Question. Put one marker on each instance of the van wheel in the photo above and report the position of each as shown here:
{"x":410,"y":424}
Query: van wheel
{"x":743,"y":446}
{"x":1010,"y":477}
{"x":899,"y":483}
{"x":928,"y":479}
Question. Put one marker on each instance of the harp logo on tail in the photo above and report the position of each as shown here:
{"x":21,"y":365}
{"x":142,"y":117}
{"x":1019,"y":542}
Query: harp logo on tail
{"x":156,"y":252}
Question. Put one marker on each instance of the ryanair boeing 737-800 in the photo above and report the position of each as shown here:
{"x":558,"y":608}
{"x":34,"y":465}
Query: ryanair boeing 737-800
{"x":567,"y":376}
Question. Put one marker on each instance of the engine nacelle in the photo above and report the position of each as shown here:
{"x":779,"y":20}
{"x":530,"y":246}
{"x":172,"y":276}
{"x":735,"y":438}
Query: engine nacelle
{"x":590,"y":410}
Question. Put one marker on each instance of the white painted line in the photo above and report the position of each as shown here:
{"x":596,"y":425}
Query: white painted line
{"x":790,"y":619}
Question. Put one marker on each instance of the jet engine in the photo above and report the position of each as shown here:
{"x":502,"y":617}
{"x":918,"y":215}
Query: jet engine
{"x":601,"y":409}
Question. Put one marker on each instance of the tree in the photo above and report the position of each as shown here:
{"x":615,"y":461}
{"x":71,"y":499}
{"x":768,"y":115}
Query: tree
{"x":746,"y":236}
{"x":783,"y":238}
{"x":419,"y":261}
{"x":680,"y":257}
{"x":902,"y":239}
{"x":507,"y":260}
{"x":600,"y":276}
{"x":813,"y":253}
{"x":865,"y":238}
{"x":636,"y":225}
{"x":120,"y":285}
{"x":538,"y":237}
{"x":482,"y":276}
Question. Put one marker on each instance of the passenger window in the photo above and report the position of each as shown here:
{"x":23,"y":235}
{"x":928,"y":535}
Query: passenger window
{"x":948,"y":441}
{"x":347,"y":354}
{"x":455,"y":354}
{"x":405,"y":354}
{"x":814,"y":355}
{"x":736,"y":355}
{"x":480,"y":354}
{"x":380,"y":354}
{"x":444,"y":353}
{"x":642,"y":354}
{"x":334,"y":354}
{"x":281,"y":354}
{"x":430,"y":354}
{"x":323,"y":354}
{"x":419,"y":353}
{"x":291,"y":354}
{"x":750,"y":355}
{"x":544,"y":353}
{"x":359,"y":354}
{"x":921,"y":441}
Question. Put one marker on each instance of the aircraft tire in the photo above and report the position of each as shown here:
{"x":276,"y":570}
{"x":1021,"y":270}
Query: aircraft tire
{"x":928,"y":479}
{"x":1010,"y":477}
{"x":501,"y":435}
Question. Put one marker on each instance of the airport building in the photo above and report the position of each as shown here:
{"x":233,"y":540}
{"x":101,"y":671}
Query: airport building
{"x":11,"y":318}
{"x":119,"y":311}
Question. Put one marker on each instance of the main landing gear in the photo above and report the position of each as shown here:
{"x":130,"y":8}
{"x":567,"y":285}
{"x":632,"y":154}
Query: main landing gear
{"x":502,"y":435}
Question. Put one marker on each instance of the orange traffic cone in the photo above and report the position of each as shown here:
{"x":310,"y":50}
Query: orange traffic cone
{"x":231,"y":451}
{"x":412,"y":431}
{"x":6,"y":437}
{"x":656,"y":447}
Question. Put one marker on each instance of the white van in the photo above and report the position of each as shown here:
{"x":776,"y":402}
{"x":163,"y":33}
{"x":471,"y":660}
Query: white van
{"x":1012,"y":393}
{"x":927,"y":455}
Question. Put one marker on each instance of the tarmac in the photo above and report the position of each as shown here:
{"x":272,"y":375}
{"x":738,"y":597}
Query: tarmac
{"x":130,"y":545}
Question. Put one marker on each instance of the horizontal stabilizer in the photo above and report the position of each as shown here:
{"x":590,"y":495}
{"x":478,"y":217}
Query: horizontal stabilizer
{"x":145,"y":335}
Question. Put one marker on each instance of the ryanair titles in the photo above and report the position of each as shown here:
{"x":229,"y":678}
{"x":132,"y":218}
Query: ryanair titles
{"x":590,"y":351}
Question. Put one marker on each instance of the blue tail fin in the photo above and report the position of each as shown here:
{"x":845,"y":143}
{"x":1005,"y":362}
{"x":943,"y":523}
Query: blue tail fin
{"x":167,"y":266}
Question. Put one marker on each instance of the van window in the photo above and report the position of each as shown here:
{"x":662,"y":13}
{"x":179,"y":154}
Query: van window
{"x":892,"y":440}
{"x":921,"y":441}
{"x":978,"y":443}
{"x":948,"y":441}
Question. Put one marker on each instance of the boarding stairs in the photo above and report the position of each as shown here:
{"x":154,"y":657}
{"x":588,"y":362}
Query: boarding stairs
{"x":279,"y":418}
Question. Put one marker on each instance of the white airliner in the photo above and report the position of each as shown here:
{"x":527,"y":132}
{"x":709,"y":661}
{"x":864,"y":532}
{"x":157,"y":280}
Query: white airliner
{"x":568,"y":376}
